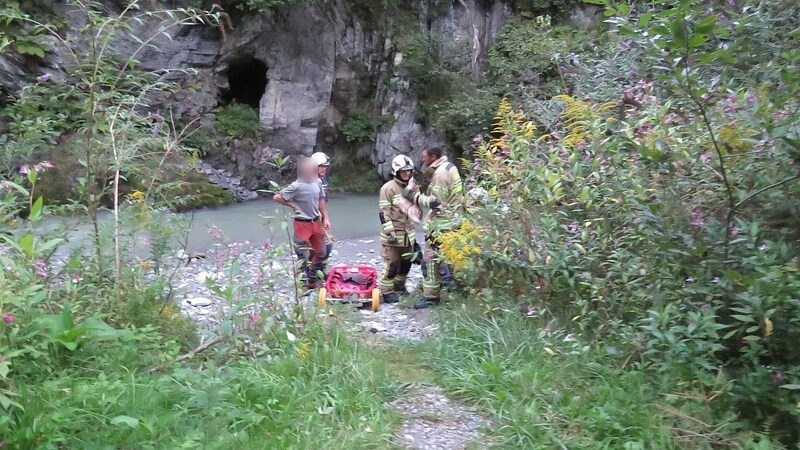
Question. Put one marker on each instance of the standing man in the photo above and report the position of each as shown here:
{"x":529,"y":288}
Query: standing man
{"x":398,"y":215}
{"x":323,"y":164}
{"x":446,"y":192}
{"x":306,"y":197}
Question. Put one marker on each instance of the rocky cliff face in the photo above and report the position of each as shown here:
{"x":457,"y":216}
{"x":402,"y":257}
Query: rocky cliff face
{"x":307,"y":68}
{"x":321,"y":63}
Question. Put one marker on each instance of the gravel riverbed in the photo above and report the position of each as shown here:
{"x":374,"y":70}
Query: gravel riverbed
{"x":228,"y":279}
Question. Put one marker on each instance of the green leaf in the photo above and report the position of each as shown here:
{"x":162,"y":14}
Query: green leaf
{"x":743,"y":318}
{"x":29,"y":48}
{"x":791,"y":387}
{"x":127,"y":421}
{"x":5,"y":368}
{"x":698,"y":40}
{"x":26,"y":244}
{"x":645,"y":19}
{"x":706,"y":25}
{"x":680,"y":32}
{"x":7,"y":403}
{"x":36,"y":209}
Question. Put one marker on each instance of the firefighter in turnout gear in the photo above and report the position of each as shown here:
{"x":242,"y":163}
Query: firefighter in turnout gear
{"x":445,"y":198}
{"x":398,"y":216}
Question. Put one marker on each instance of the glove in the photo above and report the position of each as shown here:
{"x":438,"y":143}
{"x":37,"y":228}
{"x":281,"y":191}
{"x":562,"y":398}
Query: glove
{"x":392,"y":240}
{"x":417,"y":254}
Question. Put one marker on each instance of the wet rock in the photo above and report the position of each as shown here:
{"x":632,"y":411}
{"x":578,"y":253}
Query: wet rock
{"x":199,"y":301}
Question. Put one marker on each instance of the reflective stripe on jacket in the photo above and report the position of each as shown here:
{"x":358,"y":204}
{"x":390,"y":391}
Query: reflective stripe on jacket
{"x":395,"y":217}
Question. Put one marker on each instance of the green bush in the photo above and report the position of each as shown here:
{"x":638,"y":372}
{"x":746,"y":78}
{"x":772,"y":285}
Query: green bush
{"x":538,"y":6}
{"x":358,"y":128}
{"x":266,"y":5}
{"x":238,"y":121}
{"x":355,"y":176}
{"x":658,"y":221}
{"x":528,"y":52}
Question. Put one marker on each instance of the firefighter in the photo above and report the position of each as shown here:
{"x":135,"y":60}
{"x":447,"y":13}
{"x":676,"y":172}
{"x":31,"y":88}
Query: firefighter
{"x":446,"y":191}
{"x":398,"y":216}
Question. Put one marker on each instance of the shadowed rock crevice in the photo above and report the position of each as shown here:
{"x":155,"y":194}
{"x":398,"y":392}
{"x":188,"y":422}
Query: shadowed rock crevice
{"x":247,"y":81}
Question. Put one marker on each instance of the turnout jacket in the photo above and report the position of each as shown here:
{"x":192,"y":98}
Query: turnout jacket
{"x":397,"y":214}
{"x":445,"y":187}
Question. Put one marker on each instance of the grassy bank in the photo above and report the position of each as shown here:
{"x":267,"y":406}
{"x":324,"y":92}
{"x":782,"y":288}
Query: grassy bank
{"x":321,"y":390}
{"x":545,"y":389}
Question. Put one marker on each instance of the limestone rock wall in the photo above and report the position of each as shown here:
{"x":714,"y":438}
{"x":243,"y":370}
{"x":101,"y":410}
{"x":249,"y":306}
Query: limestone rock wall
{"x":322,"y":62}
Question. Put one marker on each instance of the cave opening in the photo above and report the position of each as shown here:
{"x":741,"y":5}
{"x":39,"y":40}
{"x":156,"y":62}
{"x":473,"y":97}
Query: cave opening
{"x":247,"y":81}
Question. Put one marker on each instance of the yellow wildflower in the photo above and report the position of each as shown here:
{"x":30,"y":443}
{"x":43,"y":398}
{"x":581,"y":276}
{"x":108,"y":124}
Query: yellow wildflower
{"x":577,"y":117}
{"x":303,"y":350}
{"x":458,"y":246}
{"x":137,"y":196}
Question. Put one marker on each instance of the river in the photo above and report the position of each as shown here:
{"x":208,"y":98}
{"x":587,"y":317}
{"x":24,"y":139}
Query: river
{"x":353,"y":217}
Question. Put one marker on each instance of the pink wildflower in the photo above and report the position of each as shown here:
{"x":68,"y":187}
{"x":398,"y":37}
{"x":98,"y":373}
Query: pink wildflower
{"x":9,"y":318}
{"x":573,"y":227}
{"x":24,"y":169}
{"x":41,"y":268}
{"x":734,"y":232}
{"x":44,"y":78}
{"x":697,"y":219}
{"x":43,"y":166}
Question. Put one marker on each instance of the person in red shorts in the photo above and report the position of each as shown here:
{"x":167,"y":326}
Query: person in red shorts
{"x":307,"y":197}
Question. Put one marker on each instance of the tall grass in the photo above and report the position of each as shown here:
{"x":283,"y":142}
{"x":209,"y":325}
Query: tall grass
{"x":546,"y":390}
{"x":324,"y":391}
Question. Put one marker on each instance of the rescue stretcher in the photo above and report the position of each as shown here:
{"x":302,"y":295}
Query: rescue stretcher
{"x":356,"y":283}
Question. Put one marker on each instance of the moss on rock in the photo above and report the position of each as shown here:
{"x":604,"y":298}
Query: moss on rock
{"x":192,"y":190}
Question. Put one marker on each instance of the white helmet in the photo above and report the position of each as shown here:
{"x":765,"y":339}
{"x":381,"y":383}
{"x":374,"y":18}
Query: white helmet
{"x":401,"y":162}
{"x":321,"y":159}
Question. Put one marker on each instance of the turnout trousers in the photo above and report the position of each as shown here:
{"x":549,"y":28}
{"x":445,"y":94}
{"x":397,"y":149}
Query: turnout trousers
{"x":396,"y":265}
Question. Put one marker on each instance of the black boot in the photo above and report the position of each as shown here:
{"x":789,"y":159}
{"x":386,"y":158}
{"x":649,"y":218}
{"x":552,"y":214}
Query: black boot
{"x":426,"y":302}
{"x":391,"y":297}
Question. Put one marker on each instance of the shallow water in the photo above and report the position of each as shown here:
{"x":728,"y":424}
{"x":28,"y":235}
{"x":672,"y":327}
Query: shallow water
{"x":259,"y":221}
{"x":352,"y":217}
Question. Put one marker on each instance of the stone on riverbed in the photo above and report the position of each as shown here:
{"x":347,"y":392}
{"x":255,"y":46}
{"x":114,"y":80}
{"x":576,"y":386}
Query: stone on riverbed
{"x":199,"y":301}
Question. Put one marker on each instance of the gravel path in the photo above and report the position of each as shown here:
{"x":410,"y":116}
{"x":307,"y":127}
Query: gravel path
{"x":208,"y":290}
{"x":432,"y":421}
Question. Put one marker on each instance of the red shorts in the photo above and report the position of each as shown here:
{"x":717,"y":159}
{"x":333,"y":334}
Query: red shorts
{"x":313,"y":234}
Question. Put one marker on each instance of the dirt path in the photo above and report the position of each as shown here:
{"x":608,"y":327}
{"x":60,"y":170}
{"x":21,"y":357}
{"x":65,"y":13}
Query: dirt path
{"x":431,"y":420}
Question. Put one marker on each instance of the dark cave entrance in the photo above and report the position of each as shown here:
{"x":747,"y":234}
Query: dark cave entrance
{"x":247,"y":81}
